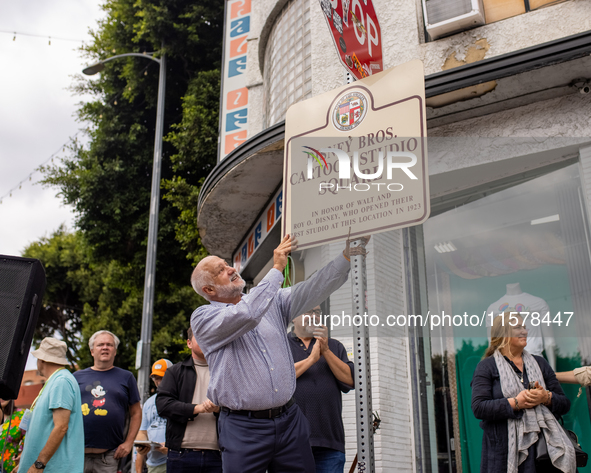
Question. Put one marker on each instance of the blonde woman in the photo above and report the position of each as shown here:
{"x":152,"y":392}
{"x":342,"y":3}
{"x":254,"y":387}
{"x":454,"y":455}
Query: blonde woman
{"x":518,"y":398}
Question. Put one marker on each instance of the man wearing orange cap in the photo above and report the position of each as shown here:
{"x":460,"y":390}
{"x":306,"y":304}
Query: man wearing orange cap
{"x":153,"y":427}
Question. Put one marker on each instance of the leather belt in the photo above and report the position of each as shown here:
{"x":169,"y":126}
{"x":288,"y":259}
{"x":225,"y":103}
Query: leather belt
{"x":181,"y":450}
{"x":265,"y":413}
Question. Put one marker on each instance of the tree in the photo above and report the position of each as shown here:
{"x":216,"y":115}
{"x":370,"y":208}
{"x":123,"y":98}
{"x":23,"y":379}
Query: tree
{"x":68,"y":284}
{"x":195,"y":139}
{"x":108,"y":180}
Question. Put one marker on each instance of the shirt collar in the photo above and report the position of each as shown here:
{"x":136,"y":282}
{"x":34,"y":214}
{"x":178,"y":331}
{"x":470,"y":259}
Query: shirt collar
{"x":224,"y":304}
{"x":293,"y":335}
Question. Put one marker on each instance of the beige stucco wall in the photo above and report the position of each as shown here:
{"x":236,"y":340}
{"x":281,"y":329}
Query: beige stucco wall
{"x":400,"y":28}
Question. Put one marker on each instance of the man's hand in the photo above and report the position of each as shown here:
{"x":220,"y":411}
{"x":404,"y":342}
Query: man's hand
{"x":162,"y":449}
{"x":143,"y":450}
{"x":123,"y":450}
{"x":205,"y":407}
{"x":302,"y":366}
{"x":210,"y":406}
{"x":356,"y":250}
{"x":140,"y":460}
{"x":321,"y":336}
{"x":314,"y":355}
{"x":281,"y":253}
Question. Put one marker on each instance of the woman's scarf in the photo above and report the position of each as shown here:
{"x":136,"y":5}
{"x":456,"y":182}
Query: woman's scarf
{"x":524,"y":432}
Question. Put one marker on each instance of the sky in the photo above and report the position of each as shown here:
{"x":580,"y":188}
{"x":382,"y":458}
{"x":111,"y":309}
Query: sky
{"x":37,"y":111}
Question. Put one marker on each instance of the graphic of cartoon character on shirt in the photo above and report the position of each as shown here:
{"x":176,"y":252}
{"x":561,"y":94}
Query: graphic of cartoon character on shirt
{"x":505,"y":306}
{"x":98,"y":392}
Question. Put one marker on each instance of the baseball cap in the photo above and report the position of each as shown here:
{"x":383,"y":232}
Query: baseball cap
{"x":160,"y":367}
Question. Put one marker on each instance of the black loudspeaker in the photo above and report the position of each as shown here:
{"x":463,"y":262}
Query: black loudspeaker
{"x":22,"y":285}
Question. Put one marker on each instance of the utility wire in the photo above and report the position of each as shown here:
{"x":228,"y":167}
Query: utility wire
{"x":15,"y":33}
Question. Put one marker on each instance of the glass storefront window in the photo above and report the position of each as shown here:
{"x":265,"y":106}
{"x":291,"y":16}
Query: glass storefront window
{"x":526,"y":248}
{"x":288,"y":61}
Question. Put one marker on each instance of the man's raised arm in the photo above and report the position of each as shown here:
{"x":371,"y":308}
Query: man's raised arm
{"x":323,"y":283}
{"x":218,"y":325}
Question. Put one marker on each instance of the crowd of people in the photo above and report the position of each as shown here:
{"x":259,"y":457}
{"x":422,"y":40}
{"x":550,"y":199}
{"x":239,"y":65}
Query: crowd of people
{"x":231,"y":406}
{"x":253,"y":397}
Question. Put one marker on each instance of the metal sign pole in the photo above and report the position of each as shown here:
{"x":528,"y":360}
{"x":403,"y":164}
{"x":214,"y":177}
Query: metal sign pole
{"x":365,"y":453}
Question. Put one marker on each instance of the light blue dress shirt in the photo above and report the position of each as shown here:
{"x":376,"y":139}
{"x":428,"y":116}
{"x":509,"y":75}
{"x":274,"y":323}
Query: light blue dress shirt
{"x":246,"y":344}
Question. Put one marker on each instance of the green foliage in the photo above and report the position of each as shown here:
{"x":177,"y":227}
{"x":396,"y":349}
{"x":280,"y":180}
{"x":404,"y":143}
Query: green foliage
{"x":108,"y":180}
{"x":195,"y":139}
{"x":68,"y":283}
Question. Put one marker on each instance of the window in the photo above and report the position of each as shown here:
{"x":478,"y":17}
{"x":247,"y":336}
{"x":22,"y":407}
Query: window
{"x":524,"y":248}
{"x":288,"y":61}
{"x":496,"y":10}
{"x":446,"y":17}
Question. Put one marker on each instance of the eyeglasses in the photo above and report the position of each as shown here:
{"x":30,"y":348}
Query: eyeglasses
{"x":314,"y":312}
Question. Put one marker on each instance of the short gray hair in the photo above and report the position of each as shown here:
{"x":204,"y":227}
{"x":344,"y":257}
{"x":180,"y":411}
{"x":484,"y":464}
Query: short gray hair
{"x":201,"y":277}
{"x":100,"y":332}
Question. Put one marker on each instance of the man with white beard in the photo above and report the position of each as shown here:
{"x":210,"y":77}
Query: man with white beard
{"x":244,"y":338}
{"x":323,"y":371}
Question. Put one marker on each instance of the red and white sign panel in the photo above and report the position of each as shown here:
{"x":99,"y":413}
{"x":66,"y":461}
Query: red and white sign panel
{"x":356,"y":33}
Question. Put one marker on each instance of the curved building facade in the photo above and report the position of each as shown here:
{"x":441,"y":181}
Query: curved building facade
{"x":509,"y":141}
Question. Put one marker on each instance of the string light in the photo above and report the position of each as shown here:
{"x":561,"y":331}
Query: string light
{"x":62,"y":147}
{"x":30,"y":176}
{"x":14,"y":33}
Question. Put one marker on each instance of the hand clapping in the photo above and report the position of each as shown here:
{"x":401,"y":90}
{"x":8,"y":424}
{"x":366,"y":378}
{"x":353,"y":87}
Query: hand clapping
{"x":321,"y":336}
{"x":532,"y":397}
